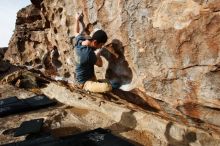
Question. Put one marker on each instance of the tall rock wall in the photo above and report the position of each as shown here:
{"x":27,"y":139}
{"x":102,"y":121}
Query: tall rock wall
{"x":169,"y":49}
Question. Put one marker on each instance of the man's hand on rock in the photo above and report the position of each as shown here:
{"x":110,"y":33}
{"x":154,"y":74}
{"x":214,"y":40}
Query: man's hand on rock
{"x":79,"y":16}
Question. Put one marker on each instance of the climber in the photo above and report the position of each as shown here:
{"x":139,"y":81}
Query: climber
{"x":87,"y":54}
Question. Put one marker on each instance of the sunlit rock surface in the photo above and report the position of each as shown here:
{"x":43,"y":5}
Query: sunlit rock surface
{"x":168,"y":52}
{"x":78,"y":111}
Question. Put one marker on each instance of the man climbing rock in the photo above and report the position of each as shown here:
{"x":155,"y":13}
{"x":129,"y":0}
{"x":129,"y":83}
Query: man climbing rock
{"x":86,"y":58}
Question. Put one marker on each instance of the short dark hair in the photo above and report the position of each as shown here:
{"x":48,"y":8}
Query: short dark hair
{"x":100,"y":36}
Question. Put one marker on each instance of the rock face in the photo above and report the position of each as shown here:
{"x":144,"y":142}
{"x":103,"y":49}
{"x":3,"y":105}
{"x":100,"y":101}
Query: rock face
{"x":170,"y":50}
{"x":2,"y":52}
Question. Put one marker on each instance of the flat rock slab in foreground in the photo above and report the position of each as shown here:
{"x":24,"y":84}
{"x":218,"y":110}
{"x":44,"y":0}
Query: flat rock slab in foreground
{"x":140,"y":119}
{"x":152,"y":127}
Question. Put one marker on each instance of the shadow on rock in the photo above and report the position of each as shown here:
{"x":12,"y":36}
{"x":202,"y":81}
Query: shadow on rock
{"x":118,"y":70}
{"x":135,"y":99}
{"x":188,"y":138}
{"x":127,"y":123}
{"x":65,"y":131}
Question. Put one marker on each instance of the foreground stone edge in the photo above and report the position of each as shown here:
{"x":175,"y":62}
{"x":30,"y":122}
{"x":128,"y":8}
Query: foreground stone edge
{"x":161,"y":129}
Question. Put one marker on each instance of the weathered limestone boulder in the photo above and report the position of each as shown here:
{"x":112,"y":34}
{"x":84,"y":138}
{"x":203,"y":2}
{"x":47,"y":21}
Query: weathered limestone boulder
{"x":169,"y":50}
{"x":78,"y":111}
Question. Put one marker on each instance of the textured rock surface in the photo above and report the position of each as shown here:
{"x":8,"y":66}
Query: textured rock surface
{"x":84,"y":111}
{"x":169,"y":50}
{"x":144,"y":125}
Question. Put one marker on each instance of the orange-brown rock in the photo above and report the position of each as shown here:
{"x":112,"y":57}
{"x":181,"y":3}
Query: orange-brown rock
{"x":170,"y":50}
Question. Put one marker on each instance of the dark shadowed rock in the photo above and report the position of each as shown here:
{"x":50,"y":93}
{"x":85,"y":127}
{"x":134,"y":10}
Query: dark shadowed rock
{"x":37,"y":3}
{"x":4,"y":66}
{"x":2,"y":52}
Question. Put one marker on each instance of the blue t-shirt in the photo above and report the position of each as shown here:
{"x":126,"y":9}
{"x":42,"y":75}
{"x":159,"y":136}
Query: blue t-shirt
{"x":85,"y":60}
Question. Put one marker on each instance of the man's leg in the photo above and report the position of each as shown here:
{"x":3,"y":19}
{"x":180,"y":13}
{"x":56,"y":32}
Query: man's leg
{"x":99,"y":86}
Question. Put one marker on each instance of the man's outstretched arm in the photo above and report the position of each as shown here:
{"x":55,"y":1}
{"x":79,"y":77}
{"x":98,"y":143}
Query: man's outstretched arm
{"x":79,"y":19}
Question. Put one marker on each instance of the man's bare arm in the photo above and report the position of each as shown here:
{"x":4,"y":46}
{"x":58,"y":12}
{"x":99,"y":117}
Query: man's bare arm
{"x":110,"y":48}
{"x":79,"y":19}
{"x":99,"y":62}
